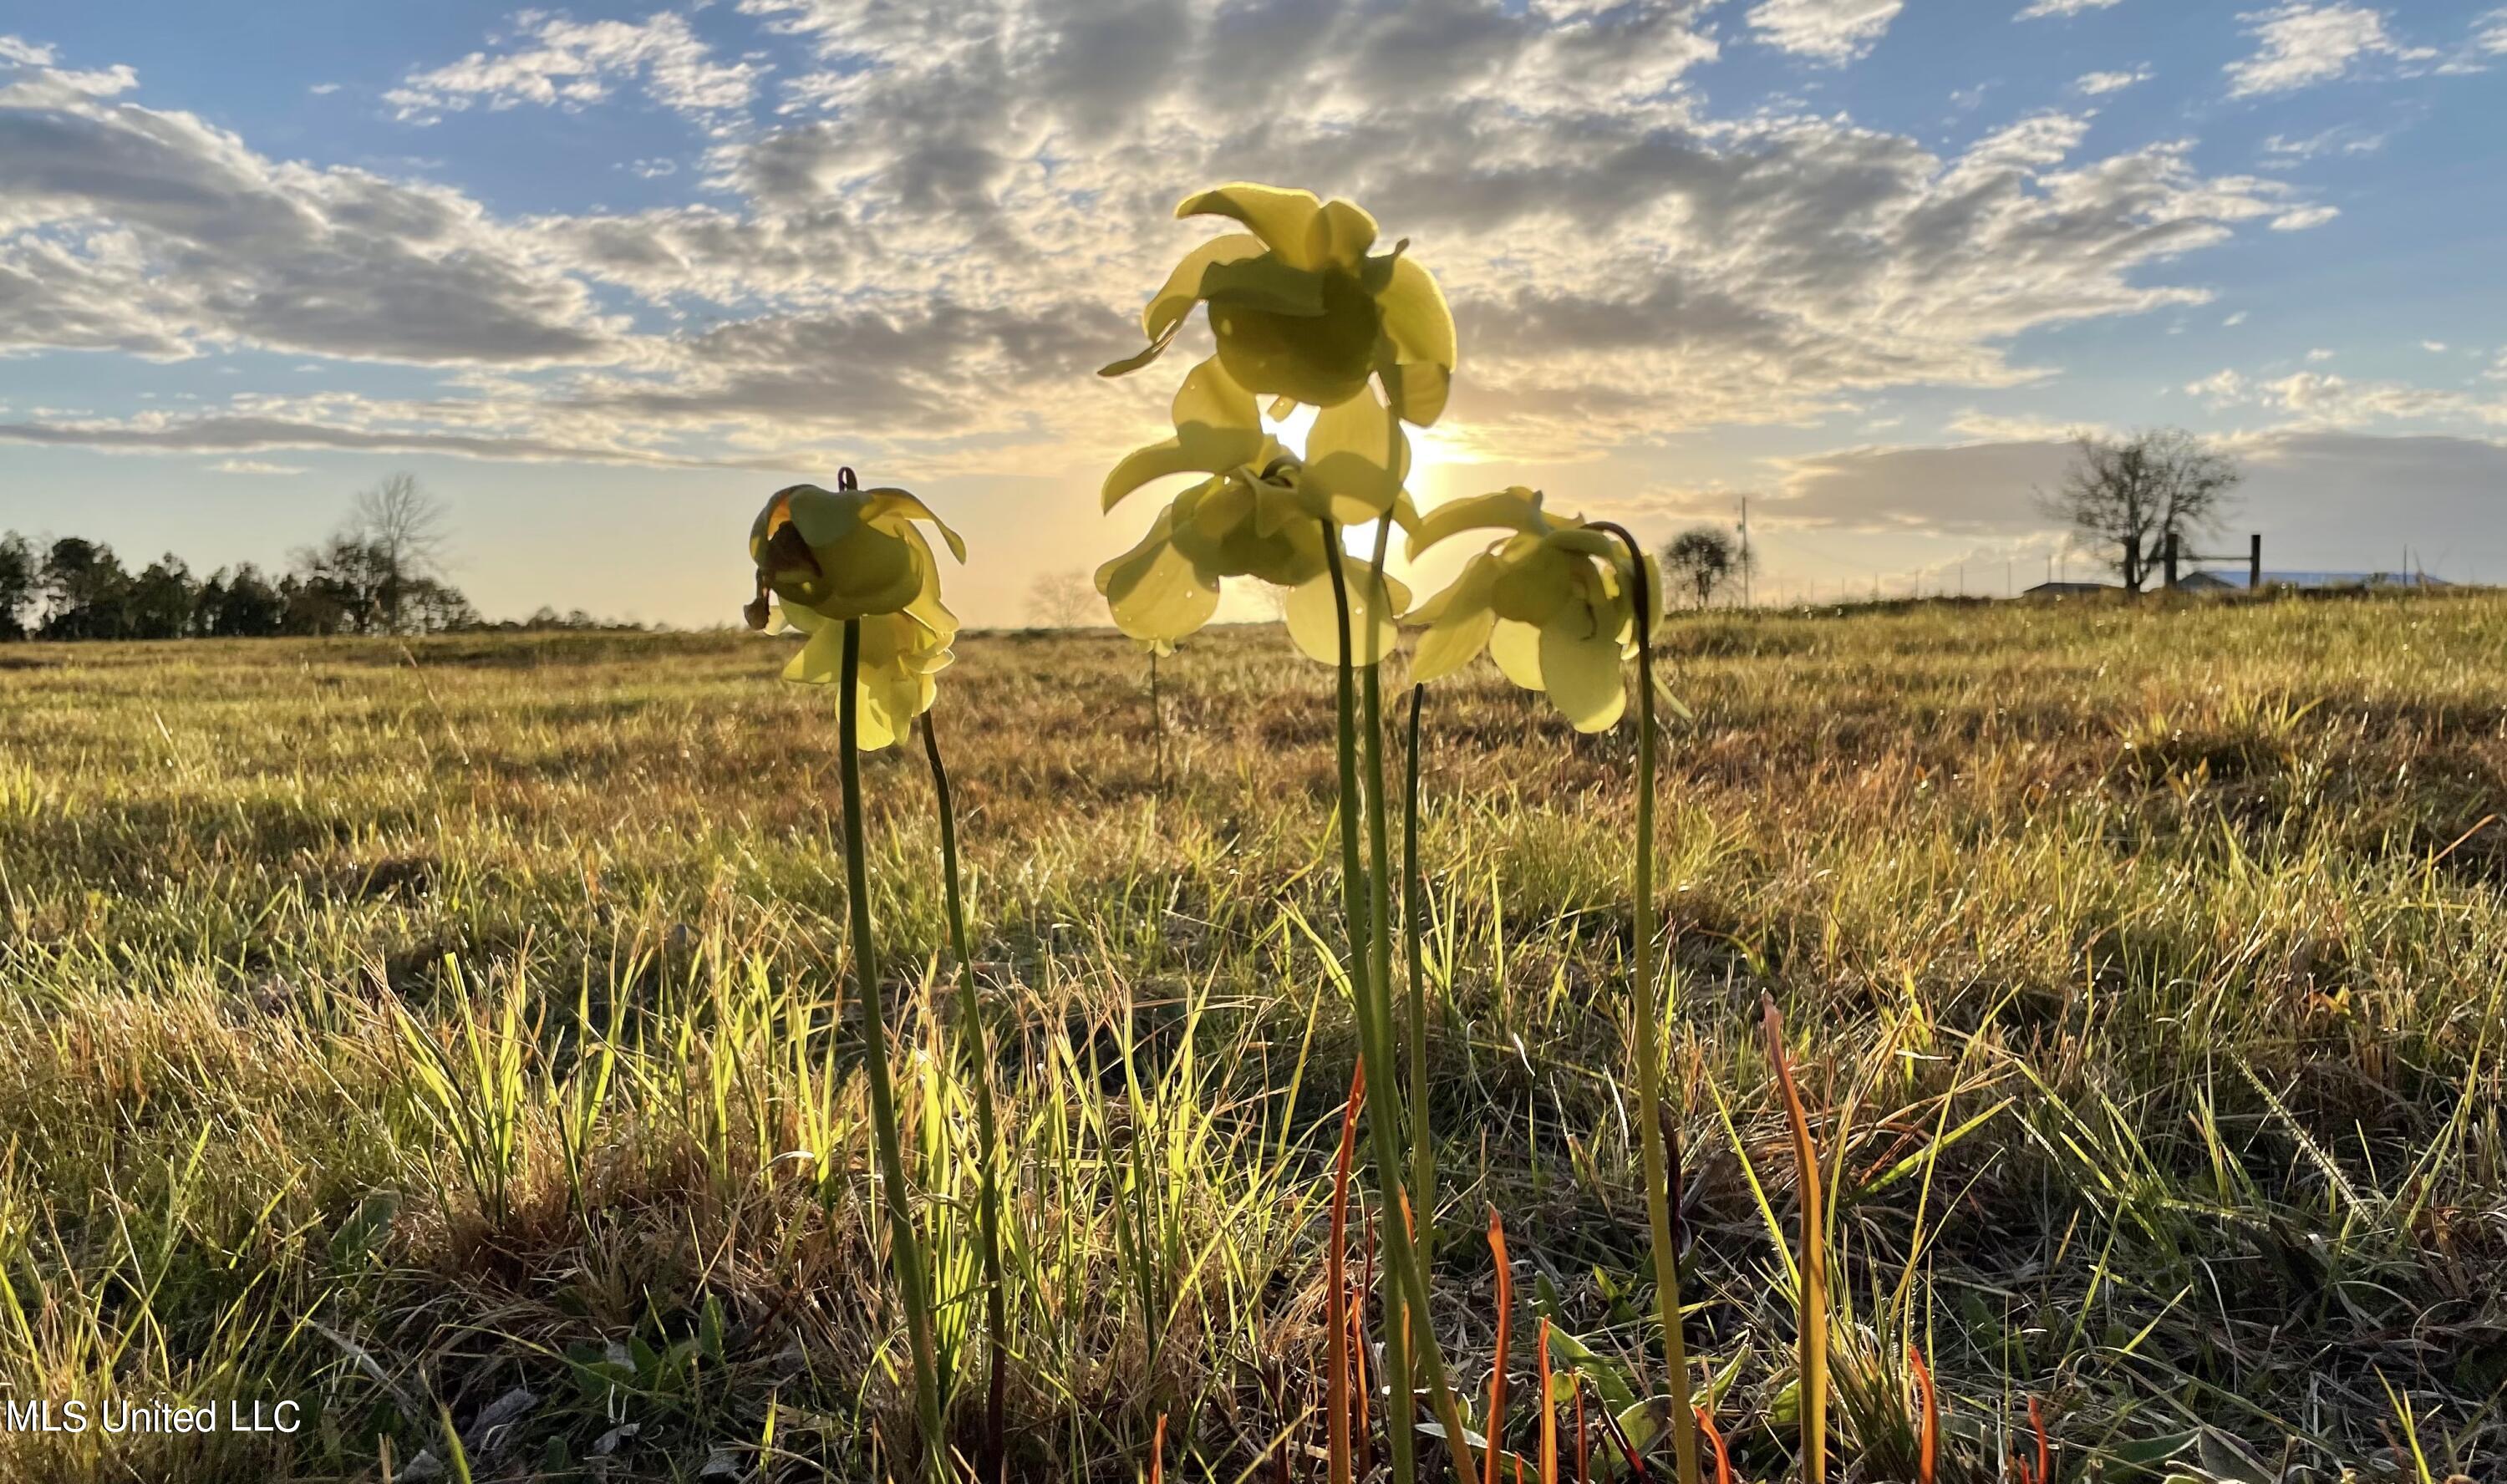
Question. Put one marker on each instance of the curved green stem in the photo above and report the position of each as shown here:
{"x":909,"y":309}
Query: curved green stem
{"x":905,"y":1250}
{"x":970,"y":1026}
{"x":1655,"y":1164}
{"x":1362,"y":901}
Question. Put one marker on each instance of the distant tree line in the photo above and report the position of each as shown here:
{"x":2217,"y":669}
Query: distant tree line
{"x":381,"y":572}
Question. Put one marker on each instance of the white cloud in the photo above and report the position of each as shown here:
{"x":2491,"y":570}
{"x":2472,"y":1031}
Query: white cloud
{"x":254,"y":466}
{"x":2346,"y":140}
{"x":2490,"y":31}
{"x":948,"y":229}
{"x":2218,"y":389}
{"x":1832,"y":31}
{"x":555,"y":62}
{"x":2234,"y":320}
{"x":2305,"y":217}
{"x":2040,"y":9}
{"x":2318,"y":356}
{"x":2434,"y":346}
{"x":2324,"y":399}
{"x":2098,"y":84}
{"x":1998,"y":428}
{"x":2300,"y":45}
{"x":323,"y":90}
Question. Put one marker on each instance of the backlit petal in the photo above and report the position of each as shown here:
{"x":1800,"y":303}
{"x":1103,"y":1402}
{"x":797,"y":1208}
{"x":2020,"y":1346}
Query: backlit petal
{"x":1217,"y":426}
{"x":1357,"y":458}
{"x":1516,"y":648}
{"x":1281,"y":218}
{"x":884,"y":504}
{"x":1314,"y":616}
{"x":1514,"y":509}
{"x":1155,"y":591}
{"x":1458,"y":619}
{"x":1579,"y":669}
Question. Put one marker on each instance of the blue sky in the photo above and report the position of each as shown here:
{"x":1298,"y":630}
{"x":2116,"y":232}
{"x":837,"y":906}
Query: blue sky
{"x":603,"y":277}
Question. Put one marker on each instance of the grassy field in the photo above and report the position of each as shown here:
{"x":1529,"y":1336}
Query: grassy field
{"x":443,"y":1036}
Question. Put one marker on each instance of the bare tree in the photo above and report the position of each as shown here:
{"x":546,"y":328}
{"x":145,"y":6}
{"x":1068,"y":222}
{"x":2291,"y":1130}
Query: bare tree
{"x":408,"y":530}
{"x":1064,"y":599}
{"x":2129,"y":495}
{"x":1702,"y":559}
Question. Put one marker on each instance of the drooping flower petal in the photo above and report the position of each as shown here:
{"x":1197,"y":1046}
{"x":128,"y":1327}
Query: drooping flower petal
{"x":1375,"y":602}
{"x":1517,"y":508}
{"x":1420,"y":328}
{"x":1579,"y":670}
{"x":1516,"y":648}
{"x":1217,"y":426}
{"x":1156,"y":592}
{"x":1358,"y":458}
{"x":819,"y":661}
{"x":1458,"y":619}
{"x":889,"y":507}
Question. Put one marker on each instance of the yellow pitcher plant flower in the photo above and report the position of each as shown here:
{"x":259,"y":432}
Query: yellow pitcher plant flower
{"x":848,"y":567}
{"x":1550,"y":602}
{"x":1303,"y":314}
{"x":1301,"y":309}
{"x":827,"y":556}
{"x":1261,"y":513}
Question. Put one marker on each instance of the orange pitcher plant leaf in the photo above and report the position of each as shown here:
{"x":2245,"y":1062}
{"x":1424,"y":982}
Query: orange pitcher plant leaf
{"x":1496,"y":1429}
{"x":1928,"y":1430}
{"x":1812,"y":1321}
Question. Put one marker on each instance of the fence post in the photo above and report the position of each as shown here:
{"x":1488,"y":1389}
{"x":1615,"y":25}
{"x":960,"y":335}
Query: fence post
{"x":2255,"y":563}
{"x":2169,"y":558}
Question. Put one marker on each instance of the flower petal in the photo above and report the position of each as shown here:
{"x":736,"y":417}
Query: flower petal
{"x":881,"y":504}
{"x":823,"y":517}
{"x":1516,"y":648}
{"x":1314,"y":616}
{"x":1217,"y":427}
{"x":1579,"y":669}
{"x":1458,"y":619}
{"x":1515,"y":509}
{"x":819,"y":661}
{"x":1282,"y":218}
{"x":1155,"y":592}
{"x":1339,"y":235}
{"x":1416,"y":318}
{"x":1357,"y":458}
{"x":1183,"y":288}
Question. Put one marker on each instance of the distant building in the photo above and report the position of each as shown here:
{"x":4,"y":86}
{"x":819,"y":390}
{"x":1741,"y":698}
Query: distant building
{"x":2233,"y":580}
{"x":2064,"y":589}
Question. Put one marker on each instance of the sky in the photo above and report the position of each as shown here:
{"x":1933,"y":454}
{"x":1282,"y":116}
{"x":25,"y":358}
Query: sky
{"x":605,"y":278}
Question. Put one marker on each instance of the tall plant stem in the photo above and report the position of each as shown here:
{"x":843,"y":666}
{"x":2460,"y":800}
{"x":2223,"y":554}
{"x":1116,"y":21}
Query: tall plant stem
{"x":977,"y":1043}
{"x":1379,"y":930}
{"x":1656,"y":1166}
{"x":905,"y":1250}
{"x":1414,"y":910}
{"x":1372,"y":991}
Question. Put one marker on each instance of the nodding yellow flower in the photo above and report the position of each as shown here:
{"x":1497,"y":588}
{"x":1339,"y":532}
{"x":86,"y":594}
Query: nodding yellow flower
{"x":1261,"y":514}
{"x":1550,"y":602}
{"x":1301,"y":311}
{"x":901,"y":655}
{"x":845,"y":553}
{"x":829,"y":556}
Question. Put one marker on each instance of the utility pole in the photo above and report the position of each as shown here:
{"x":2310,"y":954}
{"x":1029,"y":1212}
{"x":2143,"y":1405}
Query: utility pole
{"x":1745,"y":550}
